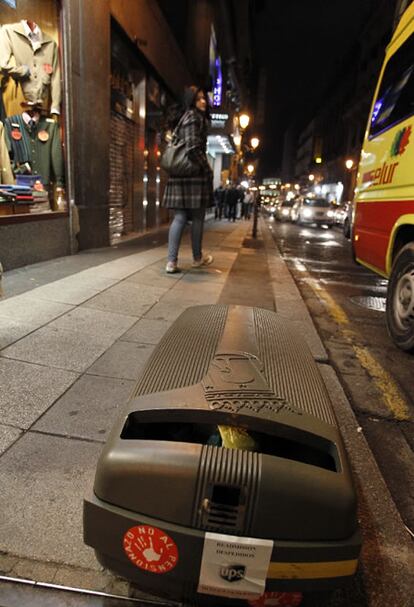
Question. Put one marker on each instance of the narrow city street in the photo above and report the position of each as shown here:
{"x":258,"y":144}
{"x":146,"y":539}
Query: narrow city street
{"x":205,"y":400}
{"x":347,"y":303}
{"x":82,"y":340}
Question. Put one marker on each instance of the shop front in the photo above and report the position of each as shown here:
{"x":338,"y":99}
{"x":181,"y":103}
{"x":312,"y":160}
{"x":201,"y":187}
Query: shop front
{"x":34,"y":218}
{"x":84,"y":88}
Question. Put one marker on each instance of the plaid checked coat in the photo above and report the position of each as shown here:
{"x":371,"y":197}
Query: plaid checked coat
{"x":192,"y":192}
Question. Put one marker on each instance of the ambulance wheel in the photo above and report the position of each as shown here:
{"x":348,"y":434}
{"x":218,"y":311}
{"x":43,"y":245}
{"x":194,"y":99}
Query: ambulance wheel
{"x":400,"y":299}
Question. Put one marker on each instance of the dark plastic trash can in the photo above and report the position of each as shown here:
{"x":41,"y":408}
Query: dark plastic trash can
{"x":226,"y":474}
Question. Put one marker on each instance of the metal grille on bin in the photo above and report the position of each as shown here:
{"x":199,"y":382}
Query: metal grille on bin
{"x":226,"y":490}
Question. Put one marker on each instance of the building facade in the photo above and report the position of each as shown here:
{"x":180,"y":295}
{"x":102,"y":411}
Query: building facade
{"x":121,"y":65}
{"x":336,"y":132}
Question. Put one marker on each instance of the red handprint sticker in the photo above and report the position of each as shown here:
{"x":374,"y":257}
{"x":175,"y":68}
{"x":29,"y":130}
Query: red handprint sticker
{"x":150,"y":549}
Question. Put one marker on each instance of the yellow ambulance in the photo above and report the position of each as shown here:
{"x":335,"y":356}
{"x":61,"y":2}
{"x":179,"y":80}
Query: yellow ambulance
{"x":383,"y":231}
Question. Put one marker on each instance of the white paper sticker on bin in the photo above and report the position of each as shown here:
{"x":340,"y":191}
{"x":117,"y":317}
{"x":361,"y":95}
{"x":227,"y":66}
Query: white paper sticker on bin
{"x":234,"y":566}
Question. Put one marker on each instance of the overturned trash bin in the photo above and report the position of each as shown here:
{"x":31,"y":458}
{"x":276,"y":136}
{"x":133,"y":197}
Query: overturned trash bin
{"x":226,"y":474}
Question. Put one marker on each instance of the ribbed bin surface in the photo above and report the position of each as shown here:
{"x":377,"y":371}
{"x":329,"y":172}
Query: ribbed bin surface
{"x":184,"y":353}
{"x":183,"y":356}
{"x":289,"y":367}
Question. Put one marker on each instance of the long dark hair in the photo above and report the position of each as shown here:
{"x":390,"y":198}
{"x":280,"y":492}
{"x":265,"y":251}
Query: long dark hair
{"x":176,"y":110}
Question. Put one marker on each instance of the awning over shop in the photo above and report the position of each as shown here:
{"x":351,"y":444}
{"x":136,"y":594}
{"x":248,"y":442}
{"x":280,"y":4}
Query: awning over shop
{"x":219,"y":144}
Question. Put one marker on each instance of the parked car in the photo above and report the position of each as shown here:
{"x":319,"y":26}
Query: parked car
{"x":283,"y":210}
{"x":313,"y":210}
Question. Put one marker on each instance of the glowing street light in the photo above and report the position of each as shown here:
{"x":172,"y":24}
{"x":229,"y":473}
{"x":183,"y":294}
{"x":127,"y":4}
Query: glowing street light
{"x":318,"y":160}
{"x":311,"y":177}
{"x":349,"y":163}
{"x":254,"y":142}
{"x":237,"y":140}
{"x":250,"y":168}
{"x":244,"y":120}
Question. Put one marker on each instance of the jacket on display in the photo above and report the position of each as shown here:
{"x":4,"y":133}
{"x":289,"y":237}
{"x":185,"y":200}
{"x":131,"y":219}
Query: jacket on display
{"x":40,"y":146}
{"x":192,"y":192}
{"x":37,"y":71}
{"x":6,"y":175}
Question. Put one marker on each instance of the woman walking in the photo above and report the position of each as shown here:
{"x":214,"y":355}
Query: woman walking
{"x":190,"y":196}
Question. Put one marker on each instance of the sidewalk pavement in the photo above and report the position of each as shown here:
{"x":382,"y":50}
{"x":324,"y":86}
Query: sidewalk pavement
{"x":71,"y":351}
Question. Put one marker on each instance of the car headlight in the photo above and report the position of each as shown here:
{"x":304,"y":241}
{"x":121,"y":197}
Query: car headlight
{"x":307,"y":213}
{"x":330,"y":213}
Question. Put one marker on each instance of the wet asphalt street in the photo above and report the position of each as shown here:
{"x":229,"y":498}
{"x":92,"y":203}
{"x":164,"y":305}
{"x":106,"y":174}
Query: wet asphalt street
{"x":347,"y":304}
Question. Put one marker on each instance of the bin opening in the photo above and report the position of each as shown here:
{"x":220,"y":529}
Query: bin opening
{"x":323,"y":455}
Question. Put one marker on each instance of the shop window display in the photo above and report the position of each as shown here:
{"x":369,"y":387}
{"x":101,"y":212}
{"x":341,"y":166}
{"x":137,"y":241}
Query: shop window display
{"x":32,"y":172}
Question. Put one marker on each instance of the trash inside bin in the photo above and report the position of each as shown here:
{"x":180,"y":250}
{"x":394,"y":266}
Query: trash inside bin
{"x":226,"y":474}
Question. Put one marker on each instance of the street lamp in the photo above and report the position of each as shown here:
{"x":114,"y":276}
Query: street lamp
{"x":250,"y":168}
{"x":311,"y":177}
{"x":244,"y":120}
{"x":254,"y":142}
{"x":349,"y":163}
{"x":237,"y":140}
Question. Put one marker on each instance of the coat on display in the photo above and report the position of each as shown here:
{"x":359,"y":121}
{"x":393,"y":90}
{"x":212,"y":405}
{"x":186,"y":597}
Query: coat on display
{"x":37,"y":71}
{"x":6,"y":175}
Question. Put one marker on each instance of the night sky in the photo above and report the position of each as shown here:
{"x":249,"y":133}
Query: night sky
{"x":300,"y":43}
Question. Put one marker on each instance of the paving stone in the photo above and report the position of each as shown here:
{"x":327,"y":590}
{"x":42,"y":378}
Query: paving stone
{"x":127,"y":298}
{"x":23,"y":595}
{"x":28,"y":390}
{"x":43,"y":480}
{"x":125,"y":359}
{"x":75,"y":577}
{"x":11,"y":330}
{"x":194,"y":296}
{"x":8,"y":436}
{"x":119,"y":587}
{"x":292,"y":308}
{"x":125,"y":266}
{"x":155,"y":274}
{"x":31,"y":311}
{"x":214,"y":274}
{"x":70,"y":290}
{"x":34,"y":570}
{"x":88,"y":409}
{"x":72,"y":342}
{"x":87,"y":277}
{"x":165,"y":311}
{"x":57,"y":348}
{"x":107,"y":326}
{"x":147,"y":331}
{"x":7,"y":563}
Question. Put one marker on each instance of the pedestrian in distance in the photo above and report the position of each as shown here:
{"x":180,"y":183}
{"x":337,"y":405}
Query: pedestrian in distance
{"x":232,"y":196}
{"x":219,"y":194}
{"x":190,"y":196}
{"x":247,"y":204}
{"x":239,"y":204}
